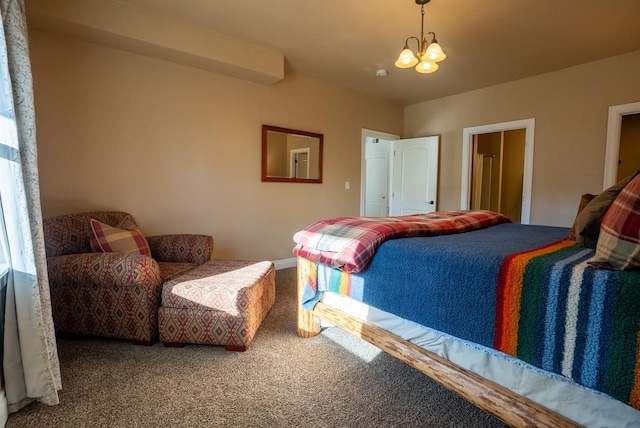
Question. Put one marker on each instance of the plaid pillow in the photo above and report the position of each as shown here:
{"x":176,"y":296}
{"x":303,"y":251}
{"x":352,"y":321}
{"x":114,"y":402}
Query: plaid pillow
{"x":619,"y":242}
{"x":125,"y":239}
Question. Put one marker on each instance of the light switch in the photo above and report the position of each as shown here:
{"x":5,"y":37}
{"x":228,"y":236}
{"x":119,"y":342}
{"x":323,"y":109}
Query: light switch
{"x":346,"y":185}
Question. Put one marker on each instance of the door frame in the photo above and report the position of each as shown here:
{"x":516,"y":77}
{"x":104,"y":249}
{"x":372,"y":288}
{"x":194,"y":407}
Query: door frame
{"x":369,"y":133}
{"x":293,"y":161}
{"x":467,"y":152}
{"x":612,"y":150}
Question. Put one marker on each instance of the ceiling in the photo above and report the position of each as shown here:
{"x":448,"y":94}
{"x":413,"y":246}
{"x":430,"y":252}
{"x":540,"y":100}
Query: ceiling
{"x":487,"y":42}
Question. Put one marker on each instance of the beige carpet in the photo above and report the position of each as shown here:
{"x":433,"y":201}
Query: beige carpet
{"x":333,"y":380}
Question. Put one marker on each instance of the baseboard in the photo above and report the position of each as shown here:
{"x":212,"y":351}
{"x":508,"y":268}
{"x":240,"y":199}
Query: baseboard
{"x":285,"y":263}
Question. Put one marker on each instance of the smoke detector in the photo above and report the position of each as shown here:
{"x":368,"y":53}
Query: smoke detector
{"x":382,"y":72}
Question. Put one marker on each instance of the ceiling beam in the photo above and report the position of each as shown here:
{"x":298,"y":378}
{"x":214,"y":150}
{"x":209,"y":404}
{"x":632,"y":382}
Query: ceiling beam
{"x":121,"y":26}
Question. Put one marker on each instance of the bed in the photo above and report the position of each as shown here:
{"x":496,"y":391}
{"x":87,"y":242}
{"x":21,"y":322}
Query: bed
{"x":512,"y":317}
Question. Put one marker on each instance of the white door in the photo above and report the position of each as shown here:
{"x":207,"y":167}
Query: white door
{"x":377,"y":157}
{"x":415,"y":176}
{"x":299,"y":163}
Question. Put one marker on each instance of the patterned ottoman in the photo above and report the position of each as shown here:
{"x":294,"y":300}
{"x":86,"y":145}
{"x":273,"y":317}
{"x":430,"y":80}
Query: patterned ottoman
{"x":221,"y":302}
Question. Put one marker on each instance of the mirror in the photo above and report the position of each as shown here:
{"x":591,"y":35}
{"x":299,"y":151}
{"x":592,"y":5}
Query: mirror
{"x":291,"y":156}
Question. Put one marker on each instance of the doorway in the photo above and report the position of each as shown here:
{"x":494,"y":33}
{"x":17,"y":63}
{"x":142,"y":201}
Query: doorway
{"x":377,"y":170}
{"x":299,"y":163}
{"x":629,"y":151}
{"x":399,"y":177}
{"x":618,"y":115}
{"x":498,"y":169}
{"x":520,"y":164}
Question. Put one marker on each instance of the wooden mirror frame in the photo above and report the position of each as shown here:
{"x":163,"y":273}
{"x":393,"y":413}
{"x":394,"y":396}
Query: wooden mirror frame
{"x":265,"y":151}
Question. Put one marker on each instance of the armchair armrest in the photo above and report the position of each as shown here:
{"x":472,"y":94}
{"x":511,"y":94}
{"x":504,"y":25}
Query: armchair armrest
{"x":181,"y":248}
{"x":105,"y":294}
{"x":104,"y":269}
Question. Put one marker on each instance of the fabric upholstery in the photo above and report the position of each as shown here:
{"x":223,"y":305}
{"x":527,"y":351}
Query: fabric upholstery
{"x":619,"y":242}
{"x":587,"y":223}
{"x":221,"y":302}
{"x":112,"y":294}
{"x":169,"y":270}
{"x":71,"y":233}
{"x":105,"y":294}
{"x":183,"y":248}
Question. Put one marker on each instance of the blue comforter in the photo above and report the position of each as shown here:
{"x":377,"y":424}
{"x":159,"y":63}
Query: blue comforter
{"x":419,"y":278}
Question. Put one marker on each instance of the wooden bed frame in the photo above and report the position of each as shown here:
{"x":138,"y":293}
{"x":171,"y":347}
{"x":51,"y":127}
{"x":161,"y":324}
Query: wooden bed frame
{"x":503,"y":403}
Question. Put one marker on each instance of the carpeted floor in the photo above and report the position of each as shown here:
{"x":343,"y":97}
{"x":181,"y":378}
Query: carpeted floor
{"x":333,"y":380}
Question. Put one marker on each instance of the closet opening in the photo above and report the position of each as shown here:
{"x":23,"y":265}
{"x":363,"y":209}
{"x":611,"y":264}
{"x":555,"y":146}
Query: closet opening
{"x":498,"y":172}
{"x":497,"y":168}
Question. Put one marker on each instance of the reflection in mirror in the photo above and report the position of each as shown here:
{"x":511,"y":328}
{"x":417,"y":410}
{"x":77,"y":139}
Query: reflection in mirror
{"x":289,"y":155}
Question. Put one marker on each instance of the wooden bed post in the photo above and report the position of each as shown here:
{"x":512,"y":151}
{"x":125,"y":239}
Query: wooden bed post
{"x":308,"y":323}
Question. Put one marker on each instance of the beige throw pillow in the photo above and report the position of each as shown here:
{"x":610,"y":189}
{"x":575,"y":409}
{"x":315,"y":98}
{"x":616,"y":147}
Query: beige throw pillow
{"x":112,"y":239}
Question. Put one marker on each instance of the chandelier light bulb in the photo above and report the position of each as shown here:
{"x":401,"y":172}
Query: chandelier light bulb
{"x":406,"y":59}
{"x":426,"y":67}
{"x":434,"y":52}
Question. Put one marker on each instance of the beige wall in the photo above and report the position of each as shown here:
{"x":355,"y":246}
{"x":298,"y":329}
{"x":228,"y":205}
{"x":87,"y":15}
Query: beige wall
{"x":570,"y":108}
{"x":179,"y":147}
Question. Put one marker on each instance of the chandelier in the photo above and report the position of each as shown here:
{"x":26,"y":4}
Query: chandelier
{"x":429,"y":52}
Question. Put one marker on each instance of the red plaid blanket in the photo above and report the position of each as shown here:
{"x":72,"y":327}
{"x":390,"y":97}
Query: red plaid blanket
{"x":349,"y":243}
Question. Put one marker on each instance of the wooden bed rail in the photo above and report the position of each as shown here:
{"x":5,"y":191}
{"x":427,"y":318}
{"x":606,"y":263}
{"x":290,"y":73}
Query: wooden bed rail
{"x":513,"y":409}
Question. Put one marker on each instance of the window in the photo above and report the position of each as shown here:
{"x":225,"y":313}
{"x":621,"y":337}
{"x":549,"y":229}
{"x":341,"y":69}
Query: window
{"x":10,"y":228}
{"x":4,"y":251}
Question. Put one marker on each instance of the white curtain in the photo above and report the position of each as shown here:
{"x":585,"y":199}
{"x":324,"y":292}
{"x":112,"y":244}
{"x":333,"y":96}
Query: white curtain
{"x":30,"y":368}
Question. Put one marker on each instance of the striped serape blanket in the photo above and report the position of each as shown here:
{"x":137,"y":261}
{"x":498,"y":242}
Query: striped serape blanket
{"x":349,"y":243}
{"x":557,"y":313}
{"x":332,"y":280}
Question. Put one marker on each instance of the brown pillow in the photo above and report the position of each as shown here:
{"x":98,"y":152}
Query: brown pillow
{"x":584,"y":200}
{"x":587,"y":224}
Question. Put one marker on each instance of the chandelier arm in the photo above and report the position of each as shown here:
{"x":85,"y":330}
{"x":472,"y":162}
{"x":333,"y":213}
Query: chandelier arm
{"x":406,"y":42}
{"x":425,"y":43}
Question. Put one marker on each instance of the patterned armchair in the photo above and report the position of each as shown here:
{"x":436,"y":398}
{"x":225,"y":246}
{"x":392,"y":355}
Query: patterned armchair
{"x":112,"y":294}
